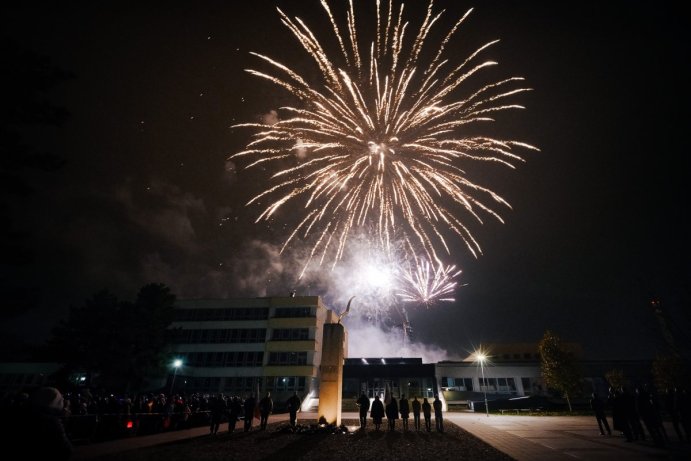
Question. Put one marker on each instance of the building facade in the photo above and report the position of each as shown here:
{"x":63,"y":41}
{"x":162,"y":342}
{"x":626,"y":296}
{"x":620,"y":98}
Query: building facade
{"x":248,"y":345}
{"x":396,"y":375}
{"x":462,"y":382}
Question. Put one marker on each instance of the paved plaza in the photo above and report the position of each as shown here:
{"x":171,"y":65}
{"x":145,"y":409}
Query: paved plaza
{"x":538,"y":438}
{"x":524,"y":438}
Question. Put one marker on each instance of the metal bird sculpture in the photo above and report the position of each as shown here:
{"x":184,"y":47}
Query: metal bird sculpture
{"x":345,"y":312}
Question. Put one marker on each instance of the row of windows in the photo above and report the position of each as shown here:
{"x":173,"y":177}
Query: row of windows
{"x":241,"y":386}
{"x":288,"y":358}
{"x":285,"y":383}
{"x":239,"y":313}
{"x":237,"y":335}
{"x":233,"y":335}
{"x":516,"y":356}
{"x":290,"y":334}
{"x":224,"y":359}
{"x":457,"y":384}
{"x":498,"y":385}
{"x":284,"y":312}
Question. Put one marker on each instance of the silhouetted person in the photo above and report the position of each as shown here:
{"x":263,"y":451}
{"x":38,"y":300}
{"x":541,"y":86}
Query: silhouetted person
{"x":404,"y":408}
{"x":35,"y":430}
{"x":438,"y":418}
{"x":392,"y":413}
{"x":266,"y":406}
{"x":644,"y":405}
{"x":598,"y":406}
{"x":248,"y":411}
{"x":377,"y":412}
{"x":363,"y":405}
{"x":416,"y":413}
{"x":632,"y":414}
{"x":672,"y":408}
{"x":217,"y":407}
{"x":427,"y":412}
{"x":293,"y":408}
{"x":620,"y":420}
{"x":657,"y":412}
{"x":234,"y":412}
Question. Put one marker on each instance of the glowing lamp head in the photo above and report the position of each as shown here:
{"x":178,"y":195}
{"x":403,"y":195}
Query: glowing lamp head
{"x":177,"y":363}
{"x":480,"y":357}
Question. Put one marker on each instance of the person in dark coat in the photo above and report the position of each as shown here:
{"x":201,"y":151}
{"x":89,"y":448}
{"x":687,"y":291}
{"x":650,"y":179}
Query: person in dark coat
{"x":392,"y":413}
{"x":266,"y":406}
{"x":248,"y":411}
{"x":598,"y":406}
{"x":416,"y":413}
{"x":438,"y":418}
{"x":404,"y":408}
{"x":646,"y":411}
{"x":235,"y":408}
{"x":293,"y":408}
{"x":427,"y":412}
{"x":620,"y":420}
{"x":632,"y":414}
{"x":363,"y":405}
{"x":377,"y":412}
{"x":217,"y":407}
{"x":34,"y":430}
{"x":672,"y":408}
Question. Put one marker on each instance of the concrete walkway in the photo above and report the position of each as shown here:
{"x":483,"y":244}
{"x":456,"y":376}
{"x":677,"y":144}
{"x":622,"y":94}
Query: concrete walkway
{"x":557,"y":438}
{"x":95,"y":450}
{"x":524,"y":438}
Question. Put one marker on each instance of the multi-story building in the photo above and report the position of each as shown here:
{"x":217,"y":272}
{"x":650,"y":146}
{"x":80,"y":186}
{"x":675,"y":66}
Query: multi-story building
{"x":248,"y":345}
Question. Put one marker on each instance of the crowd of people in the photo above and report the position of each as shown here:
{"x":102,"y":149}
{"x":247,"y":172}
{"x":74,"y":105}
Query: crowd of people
{"x":248,"y":409}
{"x":636,"y":414}
{"x":392,"y":409}
{"x":630,"y":409}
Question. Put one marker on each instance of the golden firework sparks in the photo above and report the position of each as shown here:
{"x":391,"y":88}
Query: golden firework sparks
{"x":385,"y":137}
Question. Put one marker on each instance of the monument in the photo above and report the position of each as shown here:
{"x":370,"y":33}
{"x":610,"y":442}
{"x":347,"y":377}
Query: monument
{"x":331,"y":371}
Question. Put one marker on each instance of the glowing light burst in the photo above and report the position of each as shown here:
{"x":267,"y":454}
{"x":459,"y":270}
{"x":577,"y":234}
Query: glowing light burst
{"x":382,"y":139}
{"x":426,"y":284}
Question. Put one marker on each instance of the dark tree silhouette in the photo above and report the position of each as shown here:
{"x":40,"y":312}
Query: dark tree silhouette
{"x":28,"y":78}
{"x":118,"y":343}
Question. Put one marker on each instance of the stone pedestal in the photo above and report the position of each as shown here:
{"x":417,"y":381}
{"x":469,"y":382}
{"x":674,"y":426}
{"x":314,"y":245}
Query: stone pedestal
{"x":331,"y":373}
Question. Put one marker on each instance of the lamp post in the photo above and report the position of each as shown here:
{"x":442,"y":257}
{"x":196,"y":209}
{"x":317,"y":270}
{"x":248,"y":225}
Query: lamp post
{"x":177,"y":363}
{"x":481,"y":357}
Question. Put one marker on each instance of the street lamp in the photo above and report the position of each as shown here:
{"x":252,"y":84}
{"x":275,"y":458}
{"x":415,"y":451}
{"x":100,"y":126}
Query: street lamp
{"x":481,"y":357}
{"x":177,"y":363}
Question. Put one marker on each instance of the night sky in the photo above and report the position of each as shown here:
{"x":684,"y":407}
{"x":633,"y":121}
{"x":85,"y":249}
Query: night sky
{"x":599,"y":224}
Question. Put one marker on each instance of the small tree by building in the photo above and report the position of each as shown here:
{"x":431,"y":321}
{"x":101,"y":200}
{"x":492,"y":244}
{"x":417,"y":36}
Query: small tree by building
{"x":559,"y":368}
{"x":668,"y":371}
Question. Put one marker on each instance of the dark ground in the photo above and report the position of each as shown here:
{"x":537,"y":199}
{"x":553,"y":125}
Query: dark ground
{"x":278,"y":444}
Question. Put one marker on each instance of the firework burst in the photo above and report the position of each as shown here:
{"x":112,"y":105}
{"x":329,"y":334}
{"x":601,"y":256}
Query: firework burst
{"x":425,"y":284}
{"x":383,"y":138}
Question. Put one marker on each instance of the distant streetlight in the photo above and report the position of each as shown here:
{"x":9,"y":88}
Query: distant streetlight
{"x":177,"y":363}
{"x":481,"y":357}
